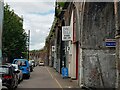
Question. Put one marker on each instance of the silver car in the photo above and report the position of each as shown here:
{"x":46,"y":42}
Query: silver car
{"x":20,"y":74}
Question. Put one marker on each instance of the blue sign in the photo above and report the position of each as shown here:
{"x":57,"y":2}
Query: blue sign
{"x":64,"y":72}
{"x":110,"y":44}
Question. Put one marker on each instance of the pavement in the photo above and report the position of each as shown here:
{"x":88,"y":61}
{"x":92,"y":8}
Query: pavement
{"x":63,"y":82}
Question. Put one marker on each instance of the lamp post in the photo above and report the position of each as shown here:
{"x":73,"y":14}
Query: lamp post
{"x":28,"y":42}
{"x":1,"y":27}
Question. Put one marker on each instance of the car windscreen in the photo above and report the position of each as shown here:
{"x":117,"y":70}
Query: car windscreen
{"x":4,"y":70}
{"x":20,"y":62}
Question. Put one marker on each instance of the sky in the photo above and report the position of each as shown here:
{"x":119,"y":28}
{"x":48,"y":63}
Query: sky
{"x":38,"y":18}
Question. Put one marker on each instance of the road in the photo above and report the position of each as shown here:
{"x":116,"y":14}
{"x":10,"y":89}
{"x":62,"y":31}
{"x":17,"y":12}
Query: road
{"x":45,"y":77}
{"x":41,"y":77}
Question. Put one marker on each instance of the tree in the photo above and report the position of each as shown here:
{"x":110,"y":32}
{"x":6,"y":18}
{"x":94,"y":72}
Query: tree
{"x":14,"y":36}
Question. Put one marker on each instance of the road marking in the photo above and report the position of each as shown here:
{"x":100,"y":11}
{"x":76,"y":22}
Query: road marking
{"x":49,"y":73}
{"x":58,"y":83}
{"x":54,"y":78}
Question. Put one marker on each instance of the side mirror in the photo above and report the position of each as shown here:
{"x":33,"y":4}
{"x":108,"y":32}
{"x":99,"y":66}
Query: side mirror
{"x":21,"y":68}
{"x":16,"y":69}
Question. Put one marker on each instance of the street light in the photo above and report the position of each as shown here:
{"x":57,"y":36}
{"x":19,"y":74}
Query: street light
{"x":28,"y":42}
{"x":1,"y":27}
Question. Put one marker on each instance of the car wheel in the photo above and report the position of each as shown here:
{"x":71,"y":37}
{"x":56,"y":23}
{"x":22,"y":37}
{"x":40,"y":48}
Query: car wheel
{"x":22,"y":79}
{"x":19,"y":81}
{"x":28,"y":76}
{"x":16,"y":84}
{"x":11,"y":88}
{"x":15,"y":87}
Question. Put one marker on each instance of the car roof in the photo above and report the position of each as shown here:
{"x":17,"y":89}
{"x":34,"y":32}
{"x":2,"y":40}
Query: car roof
{"x":14,"y":64}
{"x":6,"y":65}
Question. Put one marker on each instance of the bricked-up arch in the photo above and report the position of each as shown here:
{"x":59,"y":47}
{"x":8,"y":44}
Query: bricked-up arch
{"x":97,"y":24}
{"x":96,"y":15}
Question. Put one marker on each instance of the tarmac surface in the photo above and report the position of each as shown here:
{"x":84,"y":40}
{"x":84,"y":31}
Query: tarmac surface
{"x":44,"y":77}
{"x":47,"y":77}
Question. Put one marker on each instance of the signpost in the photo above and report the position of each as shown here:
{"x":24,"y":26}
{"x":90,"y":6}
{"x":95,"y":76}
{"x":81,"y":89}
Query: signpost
{"x":66,"y":36}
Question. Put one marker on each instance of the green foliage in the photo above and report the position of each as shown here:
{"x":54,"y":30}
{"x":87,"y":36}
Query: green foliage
{"x":61,"y":4}
{"x":25,"y":54}
{"x":33,"y":51}
{"x":14,"y":36}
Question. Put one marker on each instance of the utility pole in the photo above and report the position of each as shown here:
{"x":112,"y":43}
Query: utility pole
{"x":28,"y":42}
{"x":117,"y":27}
{"x":1,"y":27}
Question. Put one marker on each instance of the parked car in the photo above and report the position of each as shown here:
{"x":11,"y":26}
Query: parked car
{"x":9,"y":76}
{"x":20,"y":74}
{"x":41,"y":63}
{"x":24,"y":66}
{"x":31,"y":65}
{"x":36,"y":63}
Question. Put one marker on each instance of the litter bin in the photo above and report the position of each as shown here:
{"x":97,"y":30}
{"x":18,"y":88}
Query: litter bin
{"x":65,"y":72}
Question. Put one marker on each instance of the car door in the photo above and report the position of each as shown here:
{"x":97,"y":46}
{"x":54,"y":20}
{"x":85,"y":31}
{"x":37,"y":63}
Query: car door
{"x":15,"y":77}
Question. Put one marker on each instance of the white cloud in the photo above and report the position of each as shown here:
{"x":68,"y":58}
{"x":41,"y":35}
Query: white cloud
{"x":29,"y":7}
{"x":38,"y":18}
{"x":29,"y":0}
{"x":38,"y":46}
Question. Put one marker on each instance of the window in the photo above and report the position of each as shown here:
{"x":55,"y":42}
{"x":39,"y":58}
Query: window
{"x":4,"y":70}
{"x":20,"y":62}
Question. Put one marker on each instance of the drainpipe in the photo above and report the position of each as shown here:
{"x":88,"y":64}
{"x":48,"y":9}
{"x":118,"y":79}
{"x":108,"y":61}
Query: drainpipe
{"x":117,"y":85}
{"x":82,"y":83}
{"x":80,"y":69}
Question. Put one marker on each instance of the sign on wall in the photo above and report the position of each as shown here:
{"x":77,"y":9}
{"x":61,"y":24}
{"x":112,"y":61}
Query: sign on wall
{"x":110,"y":42}
{"x":66,"y":33}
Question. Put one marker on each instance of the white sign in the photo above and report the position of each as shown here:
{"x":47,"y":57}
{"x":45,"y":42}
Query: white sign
{"x":68,"y":48}
{"x":66,"y":33}
{"x":53,"y":48}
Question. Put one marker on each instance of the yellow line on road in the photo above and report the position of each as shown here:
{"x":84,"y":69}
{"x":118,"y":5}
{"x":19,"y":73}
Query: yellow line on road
{"x":54,"y":77}
{"x":58,"y":83}
{"x":49,"y":73}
